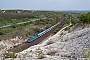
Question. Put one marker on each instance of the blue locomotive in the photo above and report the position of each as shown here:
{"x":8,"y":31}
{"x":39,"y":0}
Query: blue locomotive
{"x":42,"y":33}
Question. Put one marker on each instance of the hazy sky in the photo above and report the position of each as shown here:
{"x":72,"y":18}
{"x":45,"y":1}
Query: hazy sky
{"x":45,"y":4}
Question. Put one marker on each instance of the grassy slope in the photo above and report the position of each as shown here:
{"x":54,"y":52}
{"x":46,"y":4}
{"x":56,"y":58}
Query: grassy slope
{"x":7,"y":22}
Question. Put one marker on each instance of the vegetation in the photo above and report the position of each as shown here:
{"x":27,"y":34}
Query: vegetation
{"x":85,"y":18}
{"x":68,"y":21}
{"x":40,"y":54}
{"x":2,"y":32}
{"x":10,"y":55}
{"x":73,"y":21}
{"x":85,"y":53}
{"x":27,"y":29}
{"x":72,"y":18}
{"x":4,"y":16}
{"x":14,"y":21}
{"x":57,"y":30}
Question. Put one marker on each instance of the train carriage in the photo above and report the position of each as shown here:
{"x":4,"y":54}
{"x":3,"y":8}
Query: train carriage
{"x":42,"y":33}
{"x":33,"y":38}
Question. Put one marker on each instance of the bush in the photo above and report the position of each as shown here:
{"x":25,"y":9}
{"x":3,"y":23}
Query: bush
{"x":40,"y":54}
{"x":10,"y":55}
{"x":68,"y":21}
{"x":85,"y":18}
{"x":73,"y":21}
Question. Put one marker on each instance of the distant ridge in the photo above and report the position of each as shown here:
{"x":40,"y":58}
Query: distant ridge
{"x":77,"y":11}
{"x":67,"y":11}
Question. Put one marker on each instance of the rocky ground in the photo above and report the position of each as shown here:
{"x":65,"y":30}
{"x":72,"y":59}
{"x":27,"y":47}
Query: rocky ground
{"x":65,"y":45}
{"x":12,"y":42}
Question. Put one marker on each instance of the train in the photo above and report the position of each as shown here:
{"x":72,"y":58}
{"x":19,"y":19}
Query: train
{"x":42,"y":33}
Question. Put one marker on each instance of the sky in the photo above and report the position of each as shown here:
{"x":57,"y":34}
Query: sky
{"x":56,"y":5}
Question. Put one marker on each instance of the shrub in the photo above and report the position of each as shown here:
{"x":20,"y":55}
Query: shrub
{"x":41,"y":55}
{"x":85,"y":18}
{"x":68,"y":21}
{"x":10,"y":55}
{"x":73,"y":21}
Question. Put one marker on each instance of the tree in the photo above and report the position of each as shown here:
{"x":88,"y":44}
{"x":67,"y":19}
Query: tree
{"x":85,"y":18}
{"x":88,"y":18}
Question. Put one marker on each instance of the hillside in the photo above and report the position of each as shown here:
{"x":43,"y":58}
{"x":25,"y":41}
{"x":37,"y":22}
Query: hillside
{"x":66,"y":44}
{"x":62,"y":45}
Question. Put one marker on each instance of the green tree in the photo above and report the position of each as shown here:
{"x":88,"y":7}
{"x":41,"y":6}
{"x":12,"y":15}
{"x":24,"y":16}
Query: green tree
{"x":85,"y":18}
{"x":88,"y":18}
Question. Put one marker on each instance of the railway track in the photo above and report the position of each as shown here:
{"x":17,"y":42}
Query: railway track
{"x":37,"y":41}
